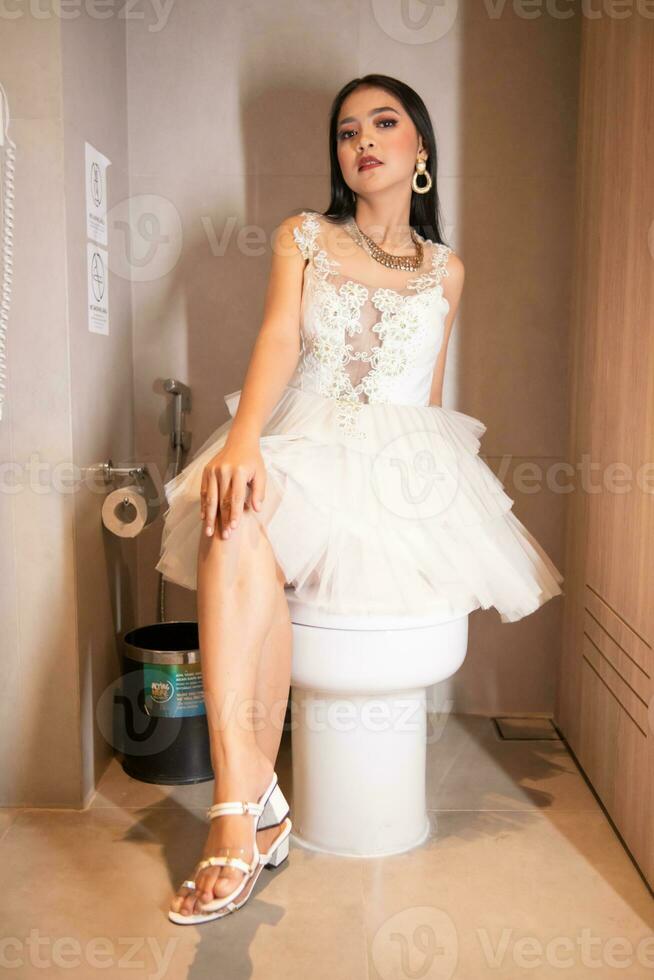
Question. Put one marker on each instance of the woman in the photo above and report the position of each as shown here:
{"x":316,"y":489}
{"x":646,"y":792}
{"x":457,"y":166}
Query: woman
{"x":340,"y":473}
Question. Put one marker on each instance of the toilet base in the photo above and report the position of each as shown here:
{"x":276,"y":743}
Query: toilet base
{"x":426,"y":833}
{"x":359,"y":771}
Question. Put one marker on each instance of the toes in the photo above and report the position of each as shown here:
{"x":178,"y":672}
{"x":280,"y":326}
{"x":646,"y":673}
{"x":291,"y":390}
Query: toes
{"x":186,"y":908}
{"x":192,"y":902}
{"x":208,"y":887}
{"x":215,"y":886}
{"x":204,"y":895}
{"x":188,"y":905}
{"x":178,"y":903}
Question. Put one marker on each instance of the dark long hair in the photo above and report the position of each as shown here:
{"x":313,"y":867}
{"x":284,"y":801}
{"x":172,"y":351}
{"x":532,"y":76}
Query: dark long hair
{"x":424,"y":214}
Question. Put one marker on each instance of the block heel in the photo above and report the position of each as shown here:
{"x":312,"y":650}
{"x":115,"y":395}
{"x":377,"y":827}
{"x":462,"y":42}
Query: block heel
{"x":280,"y":854}
{"x":275,"y":810}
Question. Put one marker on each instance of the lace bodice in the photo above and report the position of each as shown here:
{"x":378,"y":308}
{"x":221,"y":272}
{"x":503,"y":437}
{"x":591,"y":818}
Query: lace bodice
{"x":365,"y":342}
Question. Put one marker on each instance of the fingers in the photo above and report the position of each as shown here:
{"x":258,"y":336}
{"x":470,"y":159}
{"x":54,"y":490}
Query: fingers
{"x":237,"y":496}
{"x":215,"y":500}
{"x":209,"y":499}
{"x":225,"y":506}
{"x":258,"y":487}
{"x":225,"y":494}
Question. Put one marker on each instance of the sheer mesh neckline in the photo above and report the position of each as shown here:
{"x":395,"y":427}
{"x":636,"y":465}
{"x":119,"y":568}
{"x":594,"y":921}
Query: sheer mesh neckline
{"x":407,"y":293}
{"x":362,"y":343}
{"x":329,"y":267}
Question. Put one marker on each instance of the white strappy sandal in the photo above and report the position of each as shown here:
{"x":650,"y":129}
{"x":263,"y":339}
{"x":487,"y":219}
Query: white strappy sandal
{"x":270,"y":809}
{"x":277,"y":853}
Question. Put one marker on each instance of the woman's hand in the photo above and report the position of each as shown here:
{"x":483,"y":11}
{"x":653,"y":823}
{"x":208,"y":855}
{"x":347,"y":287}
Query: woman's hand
{"x":226,"y":480}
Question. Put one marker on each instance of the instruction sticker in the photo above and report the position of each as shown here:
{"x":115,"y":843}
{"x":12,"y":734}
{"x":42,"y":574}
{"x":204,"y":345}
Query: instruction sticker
{"x":96,"y":164}
{"x":97,"y":272}
{"x":173,"y":690}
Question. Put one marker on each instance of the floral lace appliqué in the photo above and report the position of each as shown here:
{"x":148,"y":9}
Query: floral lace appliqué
{"x":340,"y":308}
{"x":401,"y":330}
{"x":305,"y":235}
{"x":306,"y":239}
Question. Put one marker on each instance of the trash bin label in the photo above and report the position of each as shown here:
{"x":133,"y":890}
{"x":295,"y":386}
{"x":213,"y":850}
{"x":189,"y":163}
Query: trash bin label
{"x":173,"y":690}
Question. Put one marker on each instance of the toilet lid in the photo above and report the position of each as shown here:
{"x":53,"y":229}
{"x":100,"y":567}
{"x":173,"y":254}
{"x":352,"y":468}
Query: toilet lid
{"x":306,"y":614}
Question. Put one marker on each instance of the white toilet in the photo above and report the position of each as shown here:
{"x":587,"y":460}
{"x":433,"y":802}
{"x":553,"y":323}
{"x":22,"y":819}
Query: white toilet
{"x":358,"y":692}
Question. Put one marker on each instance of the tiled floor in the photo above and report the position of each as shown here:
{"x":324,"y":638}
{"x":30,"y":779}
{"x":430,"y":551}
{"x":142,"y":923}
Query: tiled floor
{"x":523,"y":877}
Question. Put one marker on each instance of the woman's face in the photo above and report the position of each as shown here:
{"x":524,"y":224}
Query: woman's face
{"x":372,"y":122}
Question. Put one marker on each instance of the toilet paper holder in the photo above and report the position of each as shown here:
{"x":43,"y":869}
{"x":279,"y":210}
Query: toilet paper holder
{"x":147,"y":477}
{"x":131,"y":505}
{"x":110,"y":472}
{"x":117,"y":477}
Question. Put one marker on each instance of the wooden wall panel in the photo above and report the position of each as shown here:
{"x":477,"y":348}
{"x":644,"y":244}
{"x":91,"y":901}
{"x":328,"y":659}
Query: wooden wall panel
{"x":605,"y":689}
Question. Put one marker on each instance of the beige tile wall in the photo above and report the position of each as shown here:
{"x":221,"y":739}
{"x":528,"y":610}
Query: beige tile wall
{"x":66,"y":586}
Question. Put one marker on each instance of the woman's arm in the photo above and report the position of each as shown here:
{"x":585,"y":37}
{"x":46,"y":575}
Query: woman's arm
{"x":239,"y":464}
{"x":452,"y":289}
{"x":277,"y":347}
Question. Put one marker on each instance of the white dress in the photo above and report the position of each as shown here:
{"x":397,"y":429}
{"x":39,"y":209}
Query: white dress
{"x":376,"y":502}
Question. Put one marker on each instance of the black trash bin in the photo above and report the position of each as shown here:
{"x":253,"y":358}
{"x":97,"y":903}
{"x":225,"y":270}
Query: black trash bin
{"x":161,"y":713}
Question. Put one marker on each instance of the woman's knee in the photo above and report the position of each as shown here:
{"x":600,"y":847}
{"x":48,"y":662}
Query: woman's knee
{"x":245,"y":557}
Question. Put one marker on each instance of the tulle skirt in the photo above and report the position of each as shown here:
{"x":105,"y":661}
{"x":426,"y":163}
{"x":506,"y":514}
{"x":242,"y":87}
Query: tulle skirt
{"x":400,"y":517}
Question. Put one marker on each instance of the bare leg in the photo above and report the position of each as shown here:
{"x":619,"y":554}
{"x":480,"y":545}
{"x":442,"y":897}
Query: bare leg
{"x":241,"y":620}
{"x":273,"y":679}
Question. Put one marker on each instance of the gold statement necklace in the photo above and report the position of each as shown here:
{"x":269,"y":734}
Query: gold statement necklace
{"x":409,"y":263}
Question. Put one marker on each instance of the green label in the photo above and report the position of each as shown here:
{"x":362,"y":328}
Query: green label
{"x":173,"y":690}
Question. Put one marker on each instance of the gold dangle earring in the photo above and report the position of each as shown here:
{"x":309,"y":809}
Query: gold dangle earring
{"x":421,"y":168}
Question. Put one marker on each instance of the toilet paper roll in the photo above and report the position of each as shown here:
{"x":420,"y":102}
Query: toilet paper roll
{"x":125,"y":512}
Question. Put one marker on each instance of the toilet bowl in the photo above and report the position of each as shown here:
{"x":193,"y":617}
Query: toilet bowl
{"x":358,"y":725}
